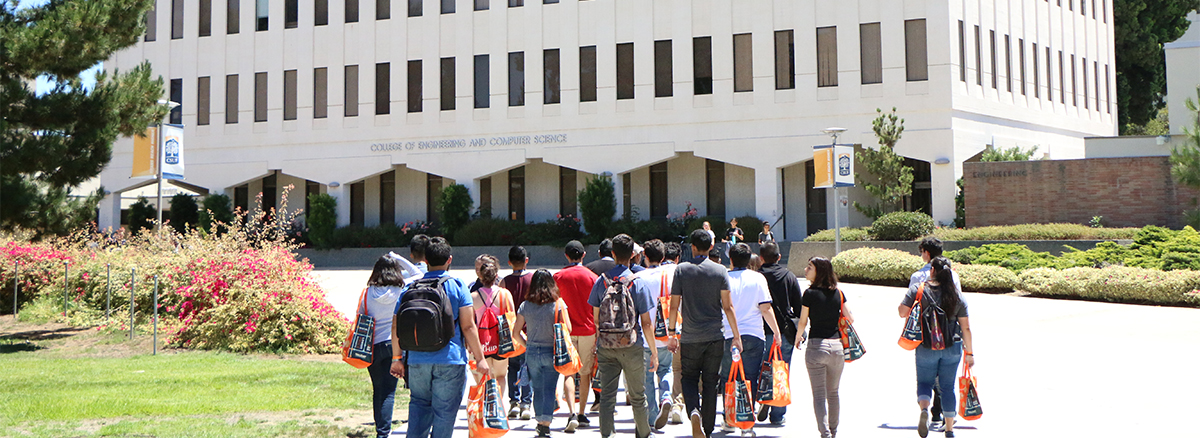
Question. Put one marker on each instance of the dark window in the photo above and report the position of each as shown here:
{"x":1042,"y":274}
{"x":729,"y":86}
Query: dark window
{"x":587,"y":74}
{"x":1096,"y":73}
{"x":203,"y":99}
{"x":485,"y":197}
{"x":447,"y":6}
{"x":547,"y":2}
{"x":291,"y":13}
{"x":714,"y":177}
{"x":241,"y":197}
{"x":447,"y":88}
{"x":310,"y":188}
{"x":627,"y":194}
{"x":1085,"y":84}
{"x":1037,"y":79}
{"x":516,"y":194}
{"x":702,"y":65}
{"x":1107,"y":89}
{"x":663,"y":86}
{"x":383,"y":88}
{"x":550,"y":82}
{"x":1074,"y":82}
{"x":231,"y":17}
{"x":1049,"y":76}
{"x":483,"y":97}
{"x":785,"y":60}
{"x":827,"y":66}
{"x":567,"y":182}
{"x":1062,"y":83}
{"x":1008,"y":76}
{"x":482,"y":5}
{"x":320,"y":93}
{"x":270,"y":185}
{"x":1104,"y":10}
{"x":261,"y":11}
{"x":743,"y":62}
{"x":357,"y":201}
{"x":350,"y":105}
{"x":231,"y":99}
{"x":916,"y":56}
{"x":352,"y":11}
{"x":383,"y":11}
{"x":321,"y":13}
{"x":1021,"y":64}
{"x":414,"y":7}
{"x":516,"y":3}
{"x":625,"y":71}
{"x":152,"y":24}
{"x":260,"y":97}
{"x":414,"y":86}
{"x":978,"y":57}
{"x":176,"y":19}
{"x":516,"y":79}
{"x":433,"y":192}
{"x":176,"y":92}
{"x":871,"y":53}
{"x":995,"y":71}
{"x":205,"y":24}
{"x":658,"y":191}
{"x":387,"y":198}
{"x":289,"y":95}
{"x":962,"y":51}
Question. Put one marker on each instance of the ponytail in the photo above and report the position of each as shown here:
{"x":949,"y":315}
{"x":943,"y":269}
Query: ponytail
{"x":945,"y":278}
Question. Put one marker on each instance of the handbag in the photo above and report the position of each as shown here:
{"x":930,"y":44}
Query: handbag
{"x":968,"y":396}
{"x":774,"y":387}
{"x":510,"y":346}
{"x":566,"y":359}
{"x":739,"y":409}
{"x":358,"y":350}
{"x":911,"y":336}
{"x":485,"y":418}
{"x":661,"y":313}
{"x":852,"y":347}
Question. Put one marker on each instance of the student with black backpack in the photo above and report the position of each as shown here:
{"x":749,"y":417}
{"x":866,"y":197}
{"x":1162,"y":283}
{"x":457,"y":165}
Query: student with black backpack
{"x":434,"y":320}
{"x":622,"y":305}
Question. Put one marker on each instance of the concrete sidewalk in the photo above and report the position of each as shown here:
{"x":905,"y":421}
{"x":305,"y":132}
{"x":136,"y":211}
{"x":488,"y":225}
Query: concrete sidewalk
{"x":1046,"y":368}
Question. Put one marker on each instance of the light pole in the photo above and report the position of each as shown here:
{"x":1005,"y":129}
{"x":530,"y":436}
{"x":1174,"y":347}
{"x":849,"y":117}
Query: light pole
{"x":837,"y":223}
{"x":159,"y":164}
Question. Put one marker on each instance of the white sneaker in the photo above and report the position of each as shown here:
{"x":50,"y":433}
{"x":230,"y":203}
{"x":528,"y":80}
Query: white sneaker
{"x":748,"y":433}
{"x":677,"y":414}
{"x":663,"y":412}
{"x":514,"y":411}
{"x":526,"y":413}
{"x":572,"y":424}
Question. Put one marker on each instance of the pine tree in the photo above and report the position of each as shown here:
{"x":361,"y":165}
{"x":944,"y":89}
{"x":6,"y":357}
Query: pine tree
{"x":55,"y":141}
{"x":1185,"y":159}
{"x":894,"y":179}
{"x":185,"y":213}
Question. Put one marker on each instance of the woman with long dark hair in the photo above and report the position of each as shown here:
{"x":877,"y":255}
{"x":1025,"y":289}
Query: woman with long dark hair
{"x":946,"y":341}
{"x":822,"y":305}
{"x":383,"y":290}
{"x":489,"y":295}
{"x":537,"y":316}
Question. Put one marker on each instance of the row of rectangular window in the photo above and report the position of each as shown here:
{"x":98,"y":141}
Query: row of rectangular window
{"x":1083,"y":8}
{"x":1008,"y":68}
{"x":743,"y":78}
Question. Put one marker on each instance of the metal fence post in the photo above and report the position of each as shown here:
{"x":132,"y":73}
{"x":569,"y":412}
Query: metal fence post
{"x":16,"y":275}
{"x":155,"y":314}
{"x":66,"y":284}
{"x":132,"y":285}
{"x":108,"y":291}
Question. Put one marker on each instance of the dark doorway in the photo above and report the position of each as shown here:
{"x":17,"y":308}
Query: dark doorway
{"x":433,"y":193}
{"x":658,"y":191}
{"x":516,"y":194}
{"x":814,"y":200}
{"x":922,"y":191}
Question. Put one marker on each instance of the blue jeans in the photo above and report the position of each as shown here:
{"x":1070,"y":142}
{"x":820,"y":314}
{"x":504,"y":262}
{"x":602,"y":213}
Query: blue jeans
{"x":543,"y":378}
{"x":435,"y":394}
{"x":752,"y":358}
{"x":383,"y":386}
{"x":518,"y":392}
{"x":787,"y":346}
{"x":940,"y":366}
{"x":663,"y":383}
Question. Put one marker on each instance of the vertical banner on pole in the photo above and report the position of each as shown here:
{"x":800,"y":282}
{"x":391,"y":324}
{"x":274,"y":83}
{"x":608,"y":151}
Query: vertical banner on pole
{"x":823,"y":166}
{"x":172,"y":152}
{"x":843,"y":168}
{"x":145,"y":152}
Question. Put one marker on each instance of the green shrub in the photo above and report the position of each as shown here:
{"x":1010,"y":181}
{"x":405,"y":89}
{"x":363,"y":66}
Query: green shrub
{"x":751,"y":226}
{"x":321,"y":219}
{"x":141,"y":216}
{"x":454,"y":208}
{"x":1182,"y":251}
{"x":1036,"y":232}
{"x":876,"y":265}
{"x":1115,"y":284}
{"x":185,"y":214}
{"x":983,"y":278}
{"x":218,"y":209}
{"x":1103,"y":255}
{"x":1007,"y":255}
{"x":489,"y":232}
{"x":902,"y":225}
{"x":848,"y":235}
{"x":598,"y":205}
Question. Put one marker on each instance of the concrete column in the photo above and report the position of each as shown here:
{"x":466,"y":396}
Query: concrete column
{"x":945,"y":187}
{"x":473,"y":189}
{"x":619,"y":194}
{"x":768,"y":203}
{"x":342,"y":194}
{"x":110,"y":212}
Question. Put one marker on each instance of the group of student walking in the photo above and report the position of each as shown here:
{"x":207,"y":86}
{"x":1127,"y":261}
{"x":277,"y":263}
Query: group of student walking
{"x":712,"y":314}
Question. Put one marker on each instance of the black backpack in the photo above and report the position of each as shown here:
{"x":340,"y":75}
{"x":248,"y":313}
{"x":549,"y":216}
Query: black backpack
{"x":940,"y":329}
{"x":425,"y":317}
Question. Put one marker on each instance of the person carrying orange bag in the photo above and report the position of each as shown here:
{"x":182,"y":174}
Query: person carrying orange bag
{"x":774,"y":387}
{"x":739,"y":408}
{"x":542,"y":316}
{"x":485,"y":414}
{"x":968,"y":396}
{"x":566,"y":359}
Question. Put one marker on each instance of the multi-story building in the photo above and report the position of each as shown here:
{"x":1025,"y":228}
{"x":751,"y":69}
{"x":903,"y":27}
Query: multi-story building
{"x":716,"y":103}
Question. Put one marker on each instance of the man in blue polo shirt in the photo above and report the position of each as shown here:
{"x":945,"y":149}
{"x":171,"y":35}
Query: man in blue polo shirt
{"x":436,"y":379}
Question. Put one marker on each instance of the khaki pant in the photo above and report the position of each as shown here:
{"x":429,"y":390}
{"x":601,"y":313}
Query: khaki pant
{"x":586,"y":346}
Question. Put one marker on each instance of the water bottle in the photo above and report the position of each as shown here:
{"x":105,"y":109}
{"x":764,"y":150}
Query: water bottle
{"x":737,"y":354}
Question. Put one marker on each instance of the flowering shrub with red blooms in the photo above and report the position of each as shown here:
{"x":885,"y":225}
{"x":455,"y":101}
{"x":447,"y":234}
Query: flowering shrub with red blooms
{"x":242,"y":291}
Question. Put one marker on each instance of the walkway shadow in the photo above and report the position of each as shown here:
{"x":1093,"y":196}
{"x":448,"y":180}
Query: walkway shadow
{"x":905,"y":426}
{"x":44,"y":335}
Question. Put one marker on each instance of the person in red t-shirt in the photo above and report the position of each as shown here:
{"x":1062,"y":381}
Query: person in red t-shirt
{"x":574,"y":286}
{"x":520,"y":393}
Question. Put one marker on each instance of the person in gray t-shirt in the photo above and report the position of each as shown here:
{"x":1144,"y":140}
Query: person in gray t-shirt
{"x":699,"y":295}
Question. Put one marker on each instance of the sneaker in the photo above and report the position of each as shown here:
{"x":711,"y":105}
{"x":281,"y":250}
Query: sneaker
{"x":572,"y":424}
{"x":697,"y":426}
{"x":543,"y":430}
{"x":677,"y":413}
{"x":514,"y":411}
{"x":748,"y":433}
{"x":526,"y":413}
{"x":923,"y":424}
{"x":582,"y":420}
{"x":725,"y":427}
{"x":596,"y":405}
{"x":937,"y":426}
{"x":763,"y":411}
{"x":664,"y":411}
{"x":949,"y":434}
{"x":779,"y":422}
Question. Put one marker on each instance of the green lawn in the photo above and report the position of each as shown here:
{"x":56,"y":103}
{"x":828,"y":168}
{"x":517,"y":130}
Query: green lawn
{"x":178,"y":394}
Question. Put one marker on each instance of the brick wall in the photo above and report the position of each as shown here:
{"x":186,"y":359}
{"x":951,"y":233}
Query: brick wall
{"x":1128,"y":192}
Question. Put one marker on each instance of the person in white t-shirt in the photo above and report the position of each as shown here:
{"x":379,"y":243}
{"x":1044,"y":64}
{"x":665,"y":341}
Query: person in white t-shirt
{"x":751,"y":306}
{"x":658,"y":278}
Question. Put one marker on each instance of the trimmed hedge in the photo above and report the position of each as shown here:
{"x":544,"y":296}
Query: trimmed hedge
{"x":902,"y":225}
{"x":1115,"y":284}
{"x":983,"y":278}
{"x":875,"y":265}
{"x":848,"y":235}
{"x":1008,"y":232}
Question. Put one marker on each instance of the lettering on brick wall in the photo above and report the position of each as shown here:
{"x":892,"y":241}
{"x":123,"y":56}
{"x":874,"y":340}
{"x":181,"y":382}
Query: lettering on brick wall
{"x":469,"y":143}
{"x":999,"y":174}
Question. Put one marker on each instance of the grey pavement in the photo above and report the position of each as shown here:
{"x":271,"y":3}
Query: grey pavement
{"x":1046,"y":368}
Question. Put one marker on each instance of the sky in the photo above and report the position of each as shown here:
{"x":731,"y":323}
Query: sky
{"x":43,"y":84}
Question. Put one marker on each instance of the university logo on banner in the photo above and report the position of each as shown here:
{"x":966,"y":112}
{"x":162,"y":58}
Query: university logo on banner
{"x":172,"y":152}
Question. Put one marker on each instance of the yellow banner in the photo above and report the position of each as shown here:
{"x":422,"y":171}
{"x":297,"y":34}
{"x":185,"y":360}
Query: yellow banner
{"x":823,"y":167}
{"x":145,"y":154}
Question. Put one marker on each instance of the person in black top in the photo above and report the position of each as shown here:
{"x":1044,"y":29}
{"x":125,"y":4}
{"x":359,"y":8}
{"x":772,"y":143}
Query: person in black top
{"x":733,"y":235}
{"x":606,"y":262}
{"x":822,"y":305}
{"x":785,"y":299}
{"x":766,"y":235}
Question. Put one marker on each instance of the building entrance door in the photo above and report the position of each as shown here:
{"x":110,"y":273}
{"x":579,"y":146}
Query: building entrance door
{"x":815,"y":201}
